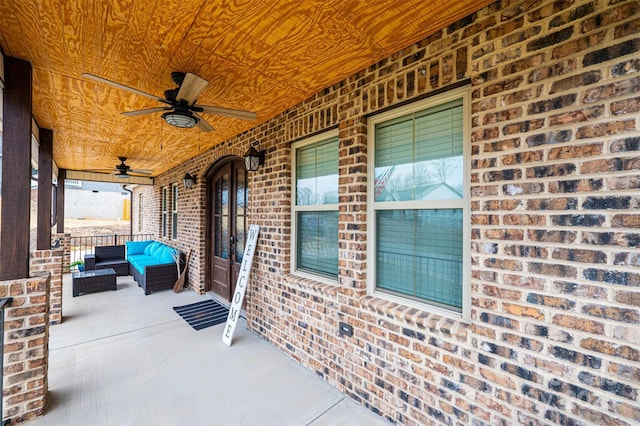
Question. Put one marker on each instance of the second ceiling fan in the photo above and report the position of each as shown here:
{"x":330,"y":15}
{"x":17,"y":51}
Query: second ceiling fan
{"x":181,"y":109}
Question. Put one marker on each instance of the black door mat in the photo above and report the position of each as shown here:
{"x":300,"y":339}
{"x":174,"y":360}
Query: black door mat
{"x":203,"y":314}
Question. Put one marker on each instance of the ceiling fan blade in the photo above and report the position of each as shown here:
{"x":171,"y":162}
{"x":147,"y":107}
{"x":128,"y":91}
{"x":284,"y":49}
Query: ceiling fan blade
{"x":191,"y":87}
{"x":203,"y":124}
{"x":141,"y":171}
{"x":143,"y":111}
{"x":228,"y":112}
{"x":123,"y":87}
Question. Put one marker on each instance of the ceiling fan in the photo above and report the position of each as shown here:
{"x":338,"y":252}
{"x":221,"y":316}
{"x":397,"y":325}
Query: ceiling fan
{"x":181,"y":109}
{"x":123,"y":170}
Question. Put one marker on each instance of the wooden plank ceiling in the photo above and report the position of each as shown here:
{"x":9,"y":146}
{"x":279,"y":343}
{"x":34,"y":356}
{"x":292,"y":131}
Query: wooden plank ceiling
{"x":258,"y":55}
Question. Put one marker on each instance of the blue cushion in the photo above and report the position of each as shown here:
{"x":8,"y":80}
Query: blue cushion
{"x":150,"y":247}
{"x":137,"y":247}
{"x":135,"y":257}
{"x":139,"y":264}
{"x":156,"y":249}
{"x":158,"y":252}
{"x":167,"y":255}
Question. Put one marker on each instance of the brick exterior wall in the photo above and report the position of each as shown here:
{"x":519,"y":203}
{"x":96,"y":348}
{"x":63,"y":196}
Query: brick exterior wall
{"x":26,"y":348}
{"x":65,"y":245}
{"x":555,"y":302}
{"x":50,"y":262}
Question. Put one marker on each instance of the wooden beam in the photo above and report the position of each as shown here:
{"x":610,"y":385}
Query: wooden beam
{"x":62,"y":176}
{"x":16,"y":170}
{"x":45,"y":169}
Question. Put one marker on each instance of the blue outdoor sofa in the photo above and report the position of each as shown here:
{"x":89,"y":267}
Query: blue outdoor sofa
{"x":152,"y":265}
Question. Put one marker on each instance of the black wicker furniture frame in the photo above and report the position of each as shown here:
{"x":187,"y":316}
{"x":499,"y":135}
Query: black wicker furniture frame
{"x":90,"y":281}
{"x":156,"y":277}
{"x":106,"y":257}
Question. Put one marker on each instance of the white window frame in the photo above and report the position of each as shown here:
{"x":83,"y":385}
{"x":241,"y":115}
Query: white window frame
{"x":174,"y":210}
{"x":295,"y":208}
{"x":463,"y":93}
{"x":163,"y":209}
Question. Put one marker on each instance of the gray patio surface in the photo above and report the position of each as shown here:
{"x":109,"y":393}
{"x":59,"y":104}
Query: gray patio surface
{"x":123,"y":358}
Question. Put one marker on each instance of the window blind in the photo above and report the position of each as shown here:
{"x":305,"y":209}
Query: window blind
{"x":317,"y":173}
{"x":418,"y":137}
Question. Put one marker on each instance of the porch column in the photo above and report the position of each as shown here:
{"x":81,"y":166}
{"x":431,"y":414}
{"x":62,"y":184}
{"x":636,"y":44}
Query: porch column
{"x":26,"y":347}
{"x":45,"y":169}
{"x":16,"y":170}
{"x":62,"y":176}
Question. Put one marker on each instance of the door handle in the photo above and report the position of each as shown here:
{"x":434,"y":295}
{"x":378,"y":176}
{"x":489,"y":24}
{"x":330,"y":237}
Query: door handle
{"x":232,"y":248}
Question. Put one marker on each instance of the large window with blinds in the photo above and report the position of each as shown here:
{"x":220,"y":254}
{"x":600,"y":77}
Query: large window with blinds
{"x":419,"y":187}
{"x":315,"y":208}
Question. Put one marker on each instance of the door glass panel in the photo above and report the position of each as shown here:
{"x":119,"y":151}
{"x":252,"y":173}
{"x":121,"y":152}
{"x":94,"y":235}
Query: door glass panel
{"x":221,"y":217}
{"x":225,"y":195}
{"x":241,"y":211}
{"x":224,"y":236}
{"x":240,"y":238}
{"x":218,"y":204}
{"x":217,"y":227}
{"x":241,"y":201}
{"x":224,"y":206}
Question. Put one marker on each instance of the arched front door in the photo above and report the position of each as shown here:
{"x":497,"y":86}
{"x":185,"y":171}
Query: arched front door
{"x":227,"y":211}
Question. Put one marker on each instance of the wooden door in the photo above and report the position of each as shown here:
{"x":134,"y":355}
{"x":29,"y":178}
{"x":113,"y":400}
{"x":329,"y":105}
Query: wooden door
{"x":228,"y":226}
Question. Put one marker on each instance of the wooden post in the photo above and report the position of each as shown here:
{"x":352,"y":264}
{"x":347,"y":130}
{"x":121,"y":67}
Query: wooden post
{"x":16,"y":170}
{"x":45,"y":169}
{"x":62,"y":176}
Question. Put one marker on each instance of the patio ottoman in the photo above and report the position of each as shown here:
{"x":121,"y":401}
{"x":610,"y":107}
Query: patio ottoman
{"x":89,"y":281}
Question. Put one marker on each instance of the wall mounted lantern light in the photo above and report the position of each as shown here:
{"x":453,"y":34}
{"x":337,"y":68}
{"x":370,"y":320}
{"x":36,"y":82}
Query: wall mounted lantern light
{"x":189,"y":181}
{"x":253,"y":159}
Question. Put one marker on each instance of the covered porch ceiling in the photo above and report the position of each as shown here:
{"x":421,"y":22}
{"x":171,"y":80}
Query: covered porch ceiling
{"x":257,"y":55}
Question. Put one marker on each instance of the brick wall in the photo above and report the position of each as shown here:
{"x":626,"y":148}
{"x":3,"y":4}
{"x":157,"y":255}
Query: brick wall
{"x":65,"y":245}
{"x":26,"y":350}
{"x":553,"y":335}
{"x":151,"y":203}
{"x":50,"y":262}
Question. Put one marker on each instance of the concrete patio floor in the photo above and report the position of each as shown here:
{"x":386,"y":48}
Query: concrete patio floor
{"x":123,"y":358}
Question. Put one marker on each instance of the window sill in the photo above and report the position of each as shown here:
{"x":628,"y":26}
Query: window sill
{"x":312,"y":277}
{"x":421,"y":314}
{"x":415,"y":317}
{"x":312,"y":284}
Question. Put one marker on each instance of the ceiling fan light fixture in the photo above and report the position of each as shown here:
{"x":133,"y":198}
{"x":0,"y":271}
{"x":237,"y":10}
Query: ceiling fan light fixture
{"x":181,"y":119}
{"x":123,"y":175}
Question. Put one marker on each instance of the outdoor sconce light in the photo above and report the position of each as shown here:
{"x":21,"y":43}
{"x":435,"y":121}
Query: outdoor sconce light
{"x":253,"y":159}
{"x":189,"y":181}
